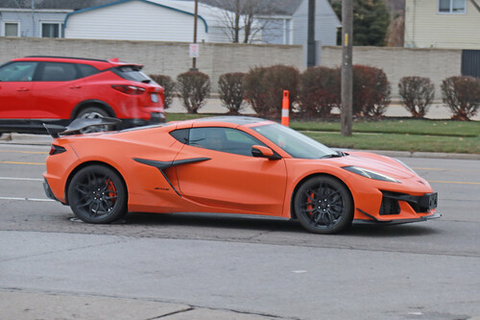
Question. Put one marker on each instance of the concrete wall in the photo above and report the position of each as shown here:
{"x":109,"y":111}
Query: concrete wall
{"x":168,"y":58}
{"x":436,"y":64}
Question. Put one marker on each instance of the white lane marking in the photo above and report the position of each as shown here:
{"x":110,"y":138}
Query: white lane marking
{"x":20,"y":179}
{"x":26,"y":199}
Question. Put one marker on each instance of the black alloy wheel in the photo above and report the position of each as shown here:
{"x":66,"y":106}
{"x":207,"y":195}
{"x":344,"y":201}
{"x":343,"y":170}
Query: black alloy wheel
{"x":323,"y":204}
{"x":97,"y":194}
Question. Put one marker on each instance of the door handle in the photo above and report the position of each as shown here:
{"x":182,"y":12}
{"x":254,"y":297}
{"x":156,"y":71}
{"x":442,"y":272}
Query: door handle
{"x":75,"y":87}
{"x":22,"y":89}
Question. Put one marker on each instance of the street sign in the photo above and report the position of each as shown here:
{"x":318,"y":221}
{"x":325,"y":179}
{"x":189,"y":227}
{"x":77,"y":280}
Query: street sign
{"x":194,"y":48}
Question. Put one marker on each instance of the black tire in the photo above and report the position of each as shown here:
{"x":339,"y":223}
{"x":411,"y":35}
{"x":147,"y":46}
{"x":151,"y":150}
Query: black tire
{"x":323,"y":204}
{"x":92,"y":113}
{"x":97,"y":194}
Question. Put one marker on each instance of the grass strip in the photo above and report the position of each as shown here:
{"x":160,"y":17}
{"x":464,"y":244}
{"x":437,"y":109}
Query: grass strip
{"x":398,"y":142}
{"x":410,"y":126}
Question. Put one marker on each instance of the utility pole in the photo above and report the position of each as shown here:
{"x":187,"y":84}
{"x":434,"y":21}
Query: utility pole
{"x":347,"y":72}
{"x":195,"y":18}
{"x":311,"y":34}
{"x":33,"y":20}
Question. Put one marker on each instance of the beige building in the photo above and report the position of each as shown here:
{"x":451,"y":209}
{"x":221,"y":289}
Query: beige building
{"x":448,"y":24}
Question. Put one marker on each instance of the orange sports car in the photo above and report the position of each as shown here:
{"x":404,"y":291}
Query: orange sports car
{"x":228,"y":164}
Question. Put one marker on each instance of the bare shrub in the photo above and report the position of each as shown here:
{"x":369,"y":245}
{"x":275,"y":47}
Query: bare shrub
{"x":417,"y":95}
{"x":461,"y":94}
{"x":231,"y":90}
{"x":264,"y":88}
{"x":371,"y":91}
{"x":194,"y":88}
{"x":319,"y":91}
{"x":254,"y":90}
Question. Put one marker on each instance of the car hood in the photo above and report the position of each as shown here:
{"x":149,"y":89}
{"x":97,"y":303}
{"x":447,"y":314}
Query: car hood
{"x":377,"y":163}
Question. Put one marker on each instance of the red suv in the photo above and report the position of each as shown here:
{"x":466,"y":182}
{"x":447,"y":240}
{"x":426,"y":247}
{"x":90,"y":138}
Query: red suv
{"x":38,"y":89}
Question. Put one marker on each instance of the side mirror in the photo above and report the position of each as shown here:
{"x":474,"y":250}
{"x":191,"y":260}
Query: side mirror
{"x":264,"y":152}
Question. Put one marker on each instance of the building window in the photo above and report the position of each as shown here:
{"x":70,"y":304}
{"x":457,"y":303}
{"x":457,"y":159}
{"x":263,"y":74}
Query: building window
{"x":52,"y":30}
{"x":452,"y":6}
{"x":11,"y":29}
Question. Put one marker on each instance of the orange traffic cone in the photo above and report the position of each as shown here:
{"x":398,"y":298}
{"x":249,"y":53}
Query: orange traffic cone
{"x":285,"y":109}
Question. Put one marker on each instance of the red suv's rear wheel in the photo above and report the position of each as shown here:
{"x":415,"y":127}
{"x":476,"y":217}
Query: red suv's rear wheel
{"x":92,"y":113}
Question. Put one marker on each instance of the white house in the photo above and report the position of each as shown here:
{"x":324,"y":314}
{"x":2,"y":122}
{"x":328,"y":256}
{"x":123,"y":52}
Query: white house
{"x":150,"y":20}
{"x":445,"y":24}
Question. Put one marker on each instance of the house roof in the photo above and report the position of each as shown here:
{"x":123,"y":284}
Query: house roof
{"x":209,"y":15}
{"x":179,"y":6}
{"x":53,"y":4}
{"x":275,"y":7}
{"x":263,"y":7}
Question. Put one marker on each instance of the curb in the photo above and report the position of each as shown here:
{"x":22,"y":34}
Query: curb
{"x":428,"y":155}
{"x":19,"y":138}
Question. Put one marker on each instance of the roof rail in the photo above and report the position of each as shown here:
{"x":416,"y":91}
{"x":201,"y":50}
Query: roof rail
{"x":60,"y":57}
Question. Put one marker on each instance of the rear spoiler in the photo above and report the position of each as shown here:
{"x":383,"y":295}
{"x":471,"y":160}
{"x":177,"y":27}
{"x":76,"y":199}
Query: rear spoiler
{"x":79,"y":125}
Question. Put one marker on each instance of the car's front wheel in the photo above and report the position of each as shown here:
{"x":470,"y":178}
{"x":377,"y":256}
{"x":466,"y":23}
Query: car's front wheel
{"x":97,"y":194}
{"x":323,"y":204}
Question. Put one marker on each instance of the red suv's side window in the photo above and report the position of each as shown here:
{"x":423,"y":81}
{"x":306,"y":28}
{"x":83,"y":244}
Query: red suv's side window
{"x":53,"y":71}
{"x":87,"y":70}
{"x":18,"y":71}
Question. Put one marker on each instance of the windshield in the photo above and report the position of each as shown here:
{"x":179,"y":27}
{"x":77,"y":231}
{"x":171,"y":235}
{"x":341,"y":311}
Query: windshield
{"x":294,"y":143}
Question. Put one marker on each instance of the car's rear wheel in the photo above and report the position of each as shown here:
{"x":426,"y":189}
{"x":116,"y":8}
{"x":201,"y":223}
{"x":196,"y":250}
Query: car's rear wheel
{"x":97,"y":194}
{"x":323,"y":204}
{"x":93,"y":113}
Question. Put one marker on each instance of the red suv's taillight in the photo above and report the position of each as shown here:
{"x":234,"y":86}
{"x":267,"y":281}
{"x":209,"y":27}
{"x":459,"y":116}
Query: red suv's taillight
{"x":129,"y":89}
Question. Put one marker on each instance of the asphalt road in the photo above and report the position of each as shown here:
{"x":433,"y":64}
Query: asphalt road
{"x":188,"y":266}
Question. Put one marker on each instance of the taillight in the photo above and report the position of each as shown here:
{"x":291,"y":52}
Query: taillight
{"x":56,"y":150}
{"x":129,"y":89}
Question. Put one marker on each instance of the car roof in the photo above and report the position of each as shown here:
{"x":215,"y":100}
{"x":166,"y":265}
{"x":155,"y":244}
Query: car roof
{"x":241,"y":120}
{"x":99,"y":63}
{"x":215,"y":121}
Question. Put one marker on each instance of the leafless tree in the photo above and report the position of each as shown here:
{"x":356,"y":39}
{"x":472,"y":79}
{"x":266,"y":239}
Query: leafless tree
{"x":240,"y":18}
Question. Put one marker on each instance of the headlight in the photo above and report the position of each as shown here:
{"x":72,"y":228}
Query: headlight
{"x":369,"y":174}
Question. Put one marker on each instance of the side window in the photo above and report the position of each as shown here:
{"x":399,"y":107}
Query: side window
{"x":223,"y":139}
{"x":18,"y":71}
{"x":181,"y":135}
{"x":87,"y":70}
{"x":56,"y":71}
